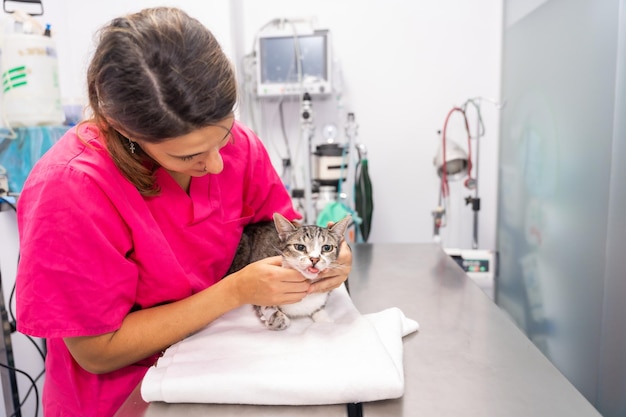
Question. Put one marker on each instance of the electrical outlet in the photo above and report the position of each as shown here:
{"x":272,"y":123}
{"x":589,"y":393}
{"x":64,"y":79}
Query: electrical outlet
{"x":479,"y":265}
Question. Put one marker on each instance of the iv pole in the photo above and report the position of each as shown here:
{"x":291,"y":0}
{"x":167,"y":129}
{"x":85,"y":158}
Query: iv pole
{"x":475,"y":200}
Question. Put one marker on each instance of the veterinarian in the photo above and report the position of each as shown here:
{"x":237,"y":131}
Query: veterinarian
{"x":129,"y":223}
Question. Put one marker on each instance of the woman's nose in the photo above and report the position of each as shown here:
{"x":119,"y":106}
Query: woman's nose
{"x":214,"y":162}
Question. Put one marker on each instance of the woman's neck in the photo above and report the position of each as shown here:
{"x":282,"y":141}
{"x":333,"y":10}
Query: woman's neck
{"x":183,"y":180}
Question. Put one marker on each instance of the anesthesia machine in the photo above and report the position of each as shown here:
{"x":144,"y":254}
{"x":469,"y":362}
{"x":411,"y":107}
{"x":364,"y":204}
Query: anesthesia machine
{"x":291,"y":69}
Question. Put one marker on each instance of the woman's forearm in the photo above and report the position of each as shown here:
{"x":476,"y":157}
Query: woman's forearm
{"x":146,"y":332}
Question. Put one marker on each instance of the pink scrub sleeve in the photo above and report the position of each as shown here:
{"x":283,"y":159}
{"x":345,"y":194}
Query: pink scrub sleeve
{"x":81,"y":280}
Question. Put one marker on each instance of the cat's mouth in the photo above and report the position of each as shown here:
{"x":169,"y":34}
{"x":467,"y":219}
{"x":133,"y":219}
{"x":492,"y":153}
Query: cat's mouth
{"x":312,"y":270}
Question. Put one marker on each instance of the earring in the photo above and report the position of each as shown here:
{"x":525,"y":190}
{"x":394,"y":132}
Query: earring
{"x":131,"y":146}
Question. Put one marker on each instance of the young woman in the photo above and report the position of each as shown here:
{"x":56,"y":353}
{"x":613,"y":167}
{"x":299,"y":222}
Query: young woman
{"x":130,"y":222}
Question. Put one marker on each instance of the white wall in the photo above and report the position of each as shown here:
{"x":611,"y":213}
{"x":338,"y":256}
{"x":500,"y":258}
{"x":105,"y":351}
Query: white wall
{"x":74,"y":23}
{"x":404,"y":63}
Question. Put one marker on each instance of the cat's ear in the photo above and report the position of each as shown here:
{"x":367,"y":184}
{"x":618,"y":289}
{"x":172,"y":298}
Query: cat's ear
{"x":283,"y":226}
{"x":340,"y":227}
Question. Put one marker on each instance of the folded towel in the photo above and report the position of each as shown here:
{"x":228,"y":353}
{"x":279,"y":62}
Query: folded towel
{"x":236,"y":360}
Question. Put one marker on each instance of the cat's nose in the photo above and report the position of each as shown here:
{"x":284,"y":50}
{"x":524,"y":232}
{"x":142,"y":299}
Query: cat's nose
{"x":314,"y":260}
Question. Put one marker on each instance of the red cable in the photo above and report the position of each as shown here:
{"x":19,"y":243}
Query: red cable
{"x":445,"y":189}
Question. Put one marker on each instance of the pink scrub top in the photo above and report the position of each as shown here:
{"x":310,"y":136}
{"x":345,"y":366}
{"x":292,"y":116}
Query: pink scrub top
{"x":92,"y":249}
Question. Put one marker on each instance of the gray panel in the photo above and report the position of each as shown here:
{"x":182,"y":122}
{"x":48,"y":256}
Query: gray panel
{"x":559,"y":71}
{"x":612,"y":384}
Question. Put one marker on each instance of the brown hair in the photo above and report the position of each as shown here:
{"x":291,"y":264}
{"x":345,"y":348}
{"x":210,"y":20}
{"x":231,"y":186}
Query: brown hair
{"x":155,"y":75}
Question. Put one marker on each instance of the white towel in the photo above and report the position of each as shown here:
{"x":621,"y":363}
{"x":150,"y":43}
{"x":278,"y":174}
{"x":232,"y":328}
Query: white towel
{"x":236,"y":360}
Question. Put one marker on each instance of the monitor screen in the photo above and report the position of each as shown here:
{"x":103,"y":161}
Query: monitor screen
{"x":278,"y":56}
{"x":278,"y":67}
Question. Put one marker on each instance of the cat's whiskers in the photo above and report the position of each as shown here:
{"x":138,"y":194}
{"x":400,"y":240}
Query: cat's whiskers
{"x":335,"y":266}
{"x":308,"y":249}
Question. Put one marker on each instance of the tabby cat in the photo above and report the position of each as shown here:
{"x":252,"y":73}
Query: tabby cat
{"x":308,"y":249}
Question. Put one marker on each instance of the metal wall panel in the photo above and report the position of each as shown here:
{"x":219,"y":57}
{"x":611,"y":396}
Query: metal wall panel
{"x":558,"y":209}
{"x":612,"y":381}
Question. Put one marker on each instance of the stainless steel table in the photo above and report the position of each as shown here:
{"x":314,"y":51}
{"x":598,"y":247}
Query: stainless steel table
{"x":468,"y":358}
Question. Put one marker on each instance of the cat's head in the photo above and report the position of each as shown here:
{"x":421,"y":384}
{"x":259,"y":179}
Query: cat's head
{"x":310,"y":249}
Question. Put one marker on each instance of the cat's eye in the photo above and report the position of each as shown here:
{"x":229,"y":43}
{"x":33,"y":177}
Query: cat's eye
{"x":327,"y":248}
{"x":299,"y":247}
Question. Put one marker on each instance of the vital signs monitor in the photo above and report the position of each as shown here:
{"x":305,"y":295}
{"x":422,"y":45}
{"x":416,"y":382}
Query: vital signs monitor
{"x":293,"y":64}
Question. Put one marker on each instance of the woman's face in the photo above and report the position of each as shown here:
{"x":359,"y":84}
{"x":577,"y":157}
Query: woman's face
{"x":194,"y":154}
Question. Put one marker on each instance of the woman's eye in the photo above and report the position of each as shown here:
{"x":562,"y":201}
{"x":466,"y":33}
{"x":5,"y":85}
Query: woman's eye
{"x":327,"y":248}
{"x":299,"y":247}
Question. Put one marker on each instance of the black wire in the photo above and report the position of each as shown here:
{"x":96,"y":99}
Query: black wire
{"x":285,"y":139}
{"x":33,"y":382}
{"x":14,"y":323}
{"x":282,"y":127}
{"x":12,"y":295}
{"x":33,"y":387}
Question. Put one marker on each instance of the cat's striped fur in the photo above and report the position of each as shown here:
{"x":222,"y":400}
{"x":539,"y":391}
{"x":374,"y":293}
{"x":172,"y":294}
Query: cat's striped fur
{"x":310,"y":249}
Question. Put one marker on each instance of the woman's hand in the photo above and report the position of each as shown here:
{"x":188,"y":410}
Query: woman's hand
{"x":336,"y":275}
{"x":266,"y":283}
{"x":148,"y":331}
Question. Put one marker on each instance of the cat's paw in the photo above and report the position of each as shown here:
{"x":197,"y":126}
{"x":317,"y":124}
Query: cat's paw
{"x":277,"y":321}
{"x":321,"y":317}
